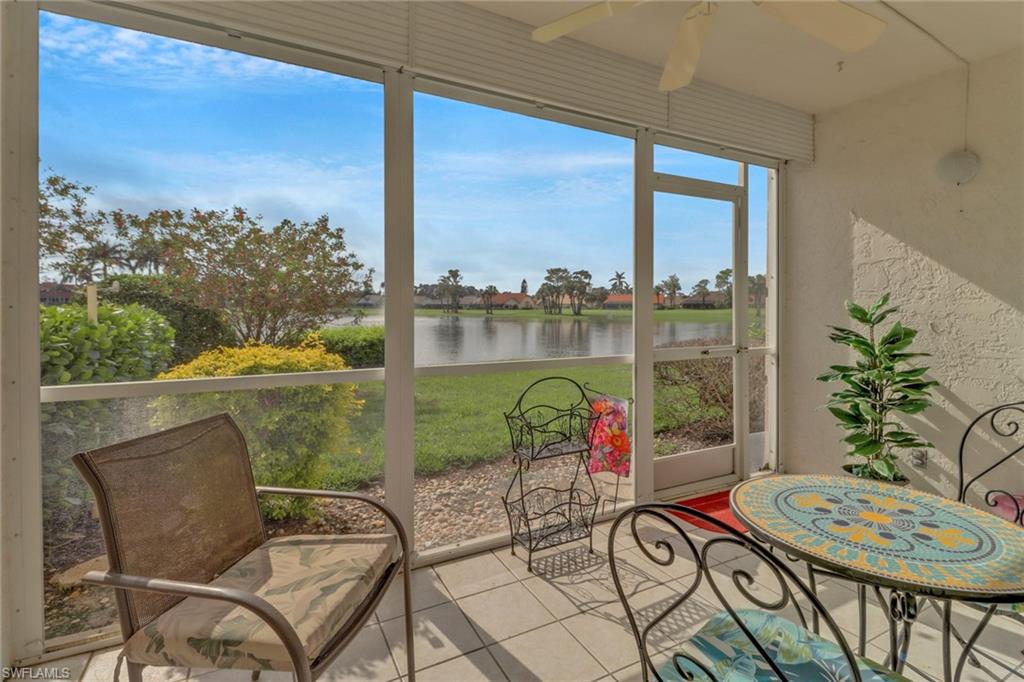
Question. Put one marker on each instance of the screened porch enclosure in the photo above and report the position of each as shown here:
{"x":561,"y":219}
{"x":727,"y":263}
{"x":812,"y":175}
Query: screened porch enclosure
{"x":529,"y":255}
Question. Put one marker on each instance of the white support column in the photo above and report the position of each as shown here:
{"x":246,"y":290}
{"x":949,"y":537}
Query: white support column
{"x":399,"y":378}
{"x":21,"y":551}
{"x":643,"y":317}
{"x":773,"y":280}
{"x":741,"y":330}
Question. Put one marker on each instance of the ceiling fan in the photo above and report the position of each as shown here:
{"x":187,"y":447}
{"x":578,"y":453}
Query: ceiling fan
{"x":830,"y":21}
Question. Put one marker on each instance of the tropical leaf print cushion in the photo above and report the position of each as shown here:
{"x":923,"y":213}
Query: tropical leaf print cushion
{"x":799,"y":654}
{"x":315,"y":581}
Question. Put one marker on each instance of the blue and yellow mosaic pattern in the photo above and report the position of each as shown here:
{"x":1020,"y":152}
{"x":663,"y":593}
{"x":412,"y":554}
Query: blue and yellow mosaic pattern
{"x":908,"y":537}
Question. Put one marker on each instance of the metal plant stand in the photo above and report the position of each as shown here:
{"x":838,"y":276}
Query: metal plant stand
{"x":547,"y":516}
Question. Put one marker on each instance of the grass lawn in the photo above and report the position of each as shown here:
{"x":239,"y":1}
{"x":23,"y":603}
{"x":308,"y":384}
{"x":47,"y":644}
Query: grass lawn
{"x":460,"y":420}
{"x":723,"y":315}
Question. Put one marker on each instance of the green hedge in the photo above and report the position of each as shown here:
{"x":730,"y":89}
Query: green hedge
{"x":196,"y":329}
{"x":358,"y":346}
{"x":125,"y":344}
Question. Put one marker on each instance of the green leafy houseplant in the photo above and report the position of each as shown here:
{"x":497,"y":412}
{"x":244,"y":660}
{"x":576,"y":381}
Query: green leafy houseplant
{"x":881,"y":384}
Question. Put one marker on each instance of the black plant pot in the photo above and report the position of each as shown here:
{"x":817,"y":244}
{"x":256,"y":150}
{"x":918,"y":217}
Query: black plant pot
{"x":848,"y":468}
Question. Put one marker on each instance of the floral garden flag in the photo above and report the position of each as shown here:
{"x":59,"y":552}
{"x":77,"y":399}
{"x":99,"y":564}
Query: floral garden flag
{"x":609,"y":441}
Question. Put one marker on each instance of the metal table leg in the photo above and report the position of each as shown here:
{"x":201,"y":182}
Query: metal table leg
{"x":862,"y":619}
{"x":901,"y":614}
{"x":947,"y":625}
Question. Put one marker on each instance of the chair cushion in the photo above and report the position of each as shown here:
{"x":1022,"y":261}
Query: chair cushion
{"x":800,"y":654}
{"x":315,"y":581}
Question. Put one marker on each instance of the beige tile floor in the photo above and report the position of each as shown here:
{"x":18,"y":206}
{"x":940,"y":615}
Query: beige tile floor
{"x":486,"y":618}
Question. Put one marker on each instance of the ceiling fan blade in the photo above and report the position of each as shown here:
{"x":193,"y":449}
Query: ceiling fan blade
{"x":580,"y":19}
{"x":684,"y":54}
{"x":830,"y":21}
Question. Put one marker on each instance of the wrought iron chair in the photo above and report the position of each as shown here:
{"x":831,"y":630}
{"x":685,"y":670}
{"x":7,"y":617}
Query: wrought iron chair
{"x":1003,"y":425}
{"x":197,"y":581}
{"x":754,"y":644}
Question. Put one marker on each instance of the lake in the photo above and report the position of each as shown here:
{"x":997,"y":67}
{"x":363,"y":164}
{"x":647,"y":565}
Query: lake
{"x":449,"y":339}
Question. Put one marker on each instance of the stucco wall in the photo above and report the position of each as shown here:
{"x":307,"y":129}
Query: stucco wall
{"x":870,"y":215}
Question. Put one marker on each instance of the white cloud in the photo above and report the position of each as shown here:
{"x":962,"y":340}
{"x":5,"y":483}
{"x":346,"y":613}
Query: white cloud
{"x":95,"y":52}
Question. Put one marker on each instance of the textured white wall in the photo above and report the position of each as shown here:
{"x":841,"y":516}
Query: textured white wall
{"x":870,"y":215}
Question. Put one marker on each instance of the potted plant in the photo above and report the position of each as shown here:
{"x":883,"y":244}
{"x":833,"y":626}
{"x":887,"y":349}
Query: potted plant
{"x":879,"y":386}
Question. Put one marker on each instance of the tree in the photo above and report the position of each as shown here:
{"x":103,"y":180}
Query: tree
{"x":67,"y":227}
{"x":701,"y":289}
{"x":488,"y":295}
{"x":557,"y":279}
{"x":273,"y":284}
{"x":671,"y":286}
{"x":522,"y":287}
{"x":758,"y":289}
{"x":546,"y":295}
{"x":577,"y":285}
{"x":596,"y":297}
{"x":450,"y":289}
{"x":723,"y":283}
{"x":619,"y":283}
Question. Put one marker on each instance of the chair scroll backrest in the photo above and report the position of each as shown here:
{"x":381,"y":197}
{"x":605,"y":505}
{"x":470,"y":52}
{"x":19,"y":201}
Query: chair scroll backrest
{"x":1003,"y":431}
{"x":179,"y":504}
{"x":664,"y":539}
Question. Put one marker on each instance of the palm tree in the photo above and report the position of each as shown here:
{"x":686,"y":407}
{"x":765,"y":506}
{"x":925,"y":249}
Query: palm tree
{"x":488,"y":295}
{"x":618,"y":282}
{"x":106,"y":256}
{"x":144,"y":255}
{"x":450,"y":286}
{"x":672,"y":286}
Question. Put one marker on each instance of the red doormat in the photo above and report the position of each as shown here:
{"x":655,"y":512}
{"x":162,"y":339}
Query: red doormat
{"x":716,"y":505}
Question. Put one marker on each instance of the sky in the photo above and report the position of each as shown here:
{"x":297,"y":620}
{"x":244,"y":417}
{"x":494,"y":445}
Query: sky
{"x":153,"y":122}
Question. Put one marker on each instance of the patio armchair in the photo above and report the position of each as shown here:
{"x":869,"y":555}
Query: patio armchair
{"x":197,"y":581}
{"x":754,"y":643}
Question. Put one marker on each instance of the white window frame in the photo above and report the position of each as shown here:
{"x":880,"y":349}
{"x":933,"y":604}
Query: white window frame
{"x":21,"y":566}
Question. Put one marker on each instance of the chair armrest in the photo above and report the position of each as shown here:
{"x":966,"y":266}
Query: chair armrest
{"x":339,"y":495}
{"x":258,"y":605}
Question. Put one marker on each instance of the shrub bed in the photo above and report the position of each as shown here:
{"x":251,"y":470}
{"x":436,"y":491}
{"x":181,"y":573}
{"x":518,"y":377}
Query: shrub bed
{"x":290,"y":431}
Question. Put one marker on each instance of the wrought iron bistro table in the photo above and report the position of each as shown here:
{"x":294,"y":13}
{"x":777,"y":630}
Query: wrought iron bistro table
{"x":887,"y":537}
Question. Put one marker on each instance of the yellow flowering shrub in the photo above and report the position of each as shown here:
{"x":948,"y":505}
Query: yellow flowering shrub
{"x":289,"y":431}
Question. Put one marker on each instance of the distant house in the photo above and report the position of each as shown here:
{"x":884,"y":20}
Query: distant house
{"x":371,"y":301}
{"x":427,"y":302}
{"x":621,"y":301}
{"x":714,"y":299}
{"x":512,"y":301}
{"x":471,"y":301}
{"x":54,"y":293}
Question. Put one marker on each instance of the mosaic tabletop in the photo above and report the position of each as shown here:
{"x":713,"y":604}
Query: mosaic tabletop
{"x":888,"y":535}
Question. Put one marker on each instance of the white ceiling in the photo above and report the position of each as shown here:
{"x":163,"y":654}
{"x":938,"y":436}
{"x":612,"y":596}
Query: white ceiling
{"x":749,"y":51}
